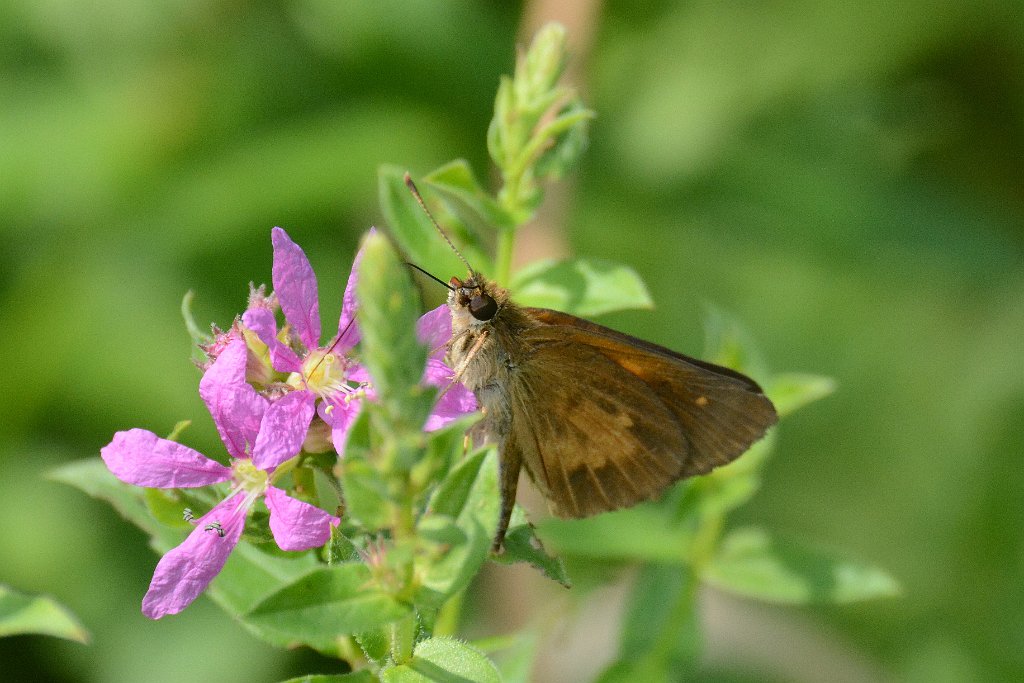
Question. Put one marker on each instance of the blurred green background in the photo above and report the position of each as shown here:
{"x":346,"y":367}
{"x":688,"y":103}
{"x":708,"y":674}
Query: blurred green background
{"x":844,"y":177}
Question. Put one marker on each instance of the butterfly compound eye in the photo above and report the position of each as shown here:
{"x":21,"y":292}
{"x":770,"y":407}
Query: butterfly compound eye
{"x":483,"y":307}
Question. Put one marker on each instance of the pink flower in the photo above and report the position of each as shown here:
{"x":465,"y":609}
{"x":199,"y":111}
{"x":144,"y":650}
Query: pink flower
{"x":328,"y":373}
{"x":434,"y":329}
{"x":259,"y":436}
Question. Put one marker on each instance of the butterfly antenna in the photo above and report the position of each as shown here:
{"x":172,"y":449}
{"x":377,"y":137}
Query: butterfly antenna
{"x":423,"y":205}
{"x":431,"y":276}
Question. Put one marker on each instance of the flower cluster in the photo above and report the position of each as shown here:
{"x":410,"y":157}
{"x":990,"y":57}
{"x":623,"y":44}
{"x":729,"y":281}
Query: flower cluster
{"x":272,"y":392}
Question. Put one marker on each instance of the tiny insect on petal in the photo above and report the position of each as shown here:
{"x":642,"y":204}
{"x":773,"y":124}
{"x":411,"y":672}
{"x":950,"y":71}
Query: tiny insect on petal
{"x":185,"y":572}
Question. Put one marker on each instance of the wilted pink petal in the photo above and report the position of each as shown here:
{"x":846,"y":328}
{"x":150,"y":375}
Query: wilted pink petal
{"x":434,"y":329}
{"x":185,"y":572}
{"x":283,"y":429}
{"x":340,"y":415}
{"x":347,"y":330}
{"x":297,"y":525}
{"x":261,"y":321}
{"x":235,"y":406}
{"x":142,"y":458}
{"x":456,"y":402}
{"x":295,"y":287}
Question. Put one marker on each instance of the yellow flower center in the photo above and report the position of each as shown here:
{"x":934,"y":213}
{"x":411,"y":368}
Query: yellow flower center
{"x":322,"y":373}
{"x":248,"y":477}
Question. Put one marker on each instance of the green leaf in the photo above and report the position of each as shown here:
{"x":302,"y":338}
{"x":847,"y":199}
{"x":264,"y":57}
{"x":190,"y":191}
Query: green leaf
{"x":367,"y":499}
{"x":537,"y":71}
{"x":568,"y":140}
{"x":719,"y":495}
{"x":644,"y":532}
{"x":341,"y":549}
{"x":91,"y":476}
{"x":444,"y":659}
{"x":522,"y":545}
{"x":660,"y":634}
{"x":444,"y":446}
{"x":727,"y":342}
{"x":754,"y":564}
{"x":366,"y":492}
{"x":353,"y":677}
{"x":415,"y":234}
{"x":453,"y":492}
{"x":583,"y":287}
{"x":642,"y":669}
{"x":462,"y":520}
{"x":324,"y":604}
{"x":448,"y":559}
{"x":456,"y":182}
{"x":726,"y":488}
{"x":515,"y":654}
{"x":791,"y":391}
{"x":375,"y":644}
{"x":24,"y":614}
{"x":251,"y":574}
{"x":167,"y":506}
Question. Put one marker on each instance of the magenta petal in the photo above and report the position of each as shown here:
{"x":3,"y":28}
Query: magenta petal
{"x":297,"y":525}
{"x":235,"y":406}
{"x":456,"y":402}
{"x":261,"y":321}
{"x":283,"y":429}
{"x":348,"y":333}
{"x":437,"y":373}
{"x":185,"y":572}
{"x":142,"y":458}
{"x":295,"y":287}
{"x":357,"y":373}
{"x":340,"y":415}
{"x":434,"y":329}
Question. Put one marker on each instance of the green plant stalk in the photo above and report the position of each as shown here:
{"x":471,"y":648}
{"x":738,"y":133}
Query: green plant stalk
{"x":681,"y":616}
{"x":705,"y":541}
{"x":503,"y":257}
{"x":447,"y":622}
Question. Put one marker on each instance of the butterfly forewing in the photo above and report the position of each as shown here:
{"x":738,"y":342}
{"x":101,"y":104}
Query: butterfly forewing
{"x":603,"y":421}
{"x":592,"y":437}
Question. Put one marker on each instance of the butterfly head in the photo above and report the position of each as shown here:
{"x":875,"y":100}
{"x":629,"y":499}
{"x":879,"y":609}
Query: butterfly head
{"x":475,"y":299}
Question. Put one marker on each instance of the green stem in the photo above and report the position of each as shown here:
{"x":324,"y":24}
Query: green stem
{"x":503,"y":257}
{"x":680,"y":623}
{"x":447,"y":622}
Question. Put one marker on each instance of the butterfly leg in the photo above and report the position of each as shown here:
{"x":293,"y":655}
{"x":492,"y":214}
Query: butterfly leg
{"x":460,"y":369}
{"x":510,"y":461}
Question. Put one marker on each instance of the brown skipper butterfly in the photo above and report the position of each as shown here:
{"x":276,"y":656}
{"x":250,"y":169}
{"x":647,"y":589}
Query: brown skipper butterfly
{"x":599,"y":419}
